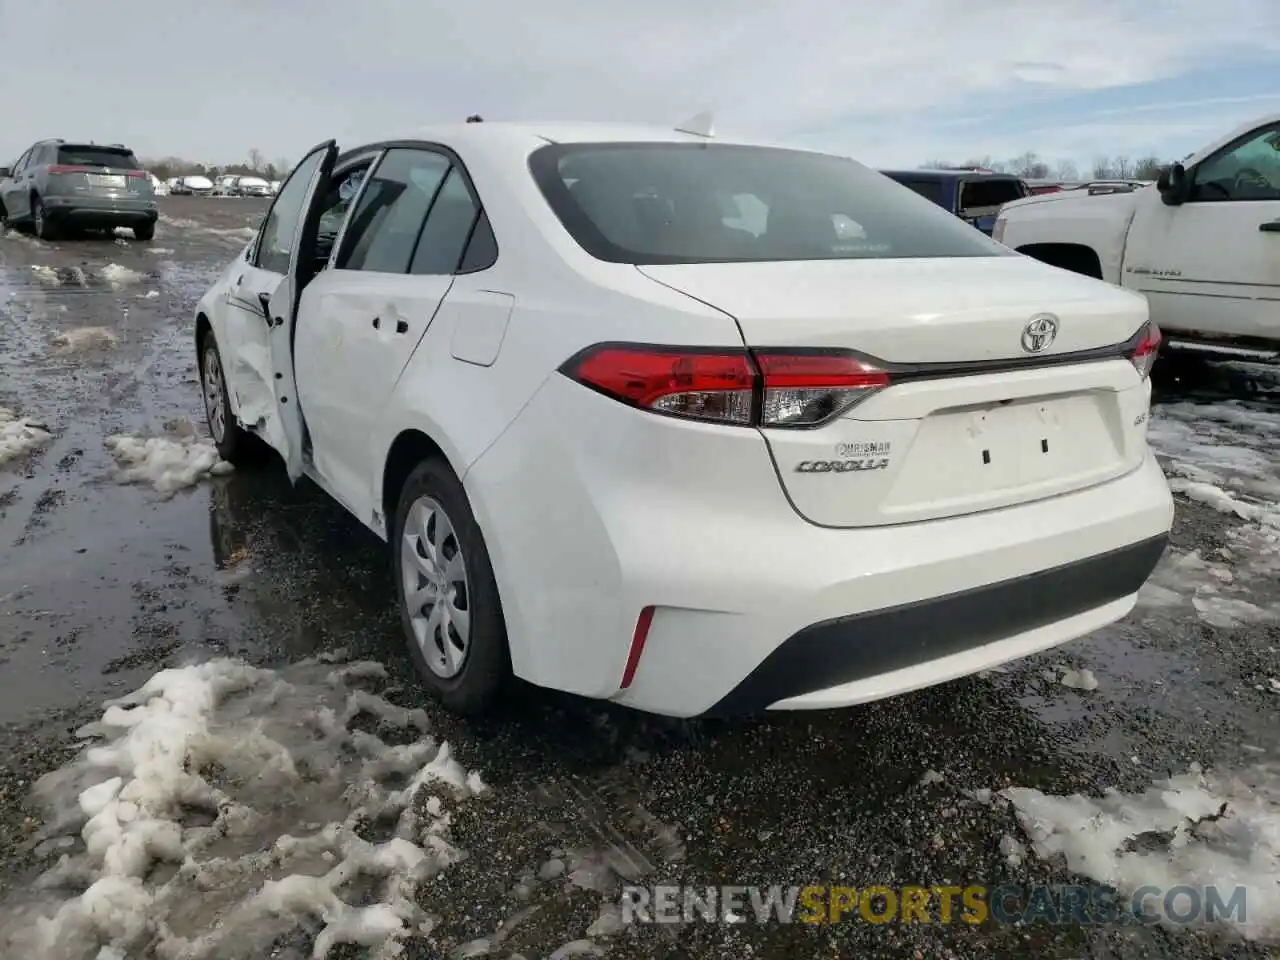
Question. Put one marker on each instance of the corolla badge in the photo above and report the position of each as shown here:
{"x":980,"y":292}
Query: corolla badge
{"x":1039,"y":332}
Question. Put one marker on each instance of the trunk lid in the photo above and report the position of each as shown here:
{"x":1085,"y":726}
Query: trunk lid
{"x":1004,"y":428}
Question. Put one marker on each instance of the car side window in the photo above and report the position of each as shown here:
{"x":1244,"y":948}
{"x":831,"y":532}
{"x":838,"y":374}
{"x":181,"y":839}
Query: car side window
{"x":276,"y":244}
{"x":389,"y":217}
{"x":1248,"y":169}
{"x":482,"y":248}
{"x":22,"y":163}
{"x":448,"y":227}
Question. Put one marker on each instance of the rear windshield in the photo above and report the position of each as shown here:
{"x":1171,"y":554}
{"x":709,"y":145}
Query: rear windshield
{"x":929,"y":189}
{"x":651,"y":203}
{"x":97,"y":157}
{"x":978,"y":194}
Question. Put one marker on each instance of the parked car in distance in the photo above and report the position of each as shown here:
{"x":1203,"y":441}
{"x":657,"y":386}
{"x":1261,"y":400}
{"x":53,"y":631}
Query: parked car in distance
{"x":193,"y":185}
{"x":159,"y":187}
{"x":59,"y":187}
{"x":251,"y":187}
{"x":638,"y":420}
{"x":973,"y":195}
{"x":224,"y":186}
{"x":1212,"y":297}
{"x":275,"y":187}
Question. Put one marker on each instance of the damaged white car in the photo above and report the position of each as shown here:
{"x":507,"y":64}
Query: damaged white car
{"x":699,"y":427}
{"x":1202,"y":244}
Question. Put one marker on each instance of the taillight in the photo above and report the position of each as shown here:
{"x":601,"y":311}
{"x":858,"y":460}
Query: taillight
{"x":713,"y":385}
{"x":68,"y":168}
{"x":136,"y":174}
{"x":1145,"y":352}
{"x":766,"y":388}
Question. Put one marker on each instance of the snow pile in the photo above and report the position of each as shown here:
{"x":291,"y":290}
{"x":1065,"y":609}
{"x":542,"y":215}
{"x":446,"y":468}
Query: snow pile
{"x":228,"y":812}
{"x":45,"y":274}
{"x":117,"y":276}
{"x":1226,"y":456}
{"x":85,"y":338}
{"x":168,"y":464}
{"x":1197,"y":829}
{"x":19,"y":435}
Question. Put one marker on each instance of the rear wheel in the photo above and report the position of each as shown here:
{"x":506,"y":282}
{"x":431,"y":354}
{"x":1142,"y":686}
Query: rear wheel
{"x":235,"y":444}
{"x":44,"y":228}
{"x":449,"y":604}
{"x":145,"y":231}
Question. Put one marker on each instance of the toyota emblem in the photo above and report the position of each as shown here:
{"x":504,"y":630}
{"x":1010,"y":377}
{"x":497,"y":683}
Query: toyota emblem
{"x":1039,"y":332}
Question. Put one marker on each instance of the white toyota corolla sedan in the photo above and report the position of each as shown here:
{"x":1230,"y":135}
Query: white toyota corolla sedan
{"x":696,"y":426}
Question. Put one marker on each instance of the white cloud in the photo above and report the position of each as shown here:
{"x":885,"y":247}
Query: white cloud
{"x":215,"y":81}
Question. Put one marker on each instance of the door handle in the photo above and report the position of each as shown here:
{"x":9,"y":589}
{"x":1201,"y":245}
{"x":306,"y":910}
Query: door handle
{"x":377,"y":323}
{"x":1271,"y":226}
{"x":402,"y":326}
{"x":239,"y":279}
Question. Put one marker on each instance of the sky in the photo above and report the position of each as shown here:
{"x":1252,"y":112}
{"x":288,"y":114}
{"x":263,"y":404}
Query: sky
{"x":891,"y":84}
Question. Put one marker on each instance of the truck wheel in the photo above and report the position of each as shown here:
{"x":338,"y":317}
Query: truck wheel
{"x":144,"y":231}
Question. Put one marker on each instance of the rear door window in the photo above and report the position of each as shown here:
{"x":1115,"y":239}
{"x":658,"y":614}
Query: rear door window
{"x":444,"y":236}
{"x":389,"y":216}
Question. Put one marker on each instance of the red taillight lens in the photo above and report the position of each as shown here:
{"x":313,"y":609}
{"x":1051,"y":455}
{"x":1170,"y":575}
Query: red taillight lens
{"x":69,"y":168}
{"x":807,"y":388}
{"x":697,"y":385}
{"x":136,"y":174}
{"x":767,"y":388}
{"x":1144,"y":354}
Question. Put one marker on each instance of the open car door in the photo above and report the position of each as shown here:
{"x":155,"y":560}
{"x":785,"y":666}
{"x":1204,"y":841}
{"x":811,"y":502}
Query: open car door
{"x":281,"y":306}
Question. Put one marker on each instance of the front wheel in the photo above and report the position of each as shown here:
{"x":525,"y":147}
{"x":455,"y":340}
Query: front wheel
{"x":144,"y":231}
{"x":448,"y":597}
{"x":234,"y":443}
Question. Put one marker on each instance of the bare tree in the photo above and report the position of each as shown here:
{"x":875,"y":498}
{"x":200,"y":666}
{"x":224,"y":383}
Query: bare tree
{"x":283,"y":165}
{"x":1147,"y":168}
{"x":1067,"y":170}
{"x":256,"y":160}
{"x":1029,"y":166}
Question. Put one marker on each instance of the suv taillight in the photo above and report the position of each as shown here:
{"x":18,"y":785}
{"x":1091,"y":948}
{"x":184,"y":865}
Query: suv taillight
{"x":765,"y":388}
{"x":1147,"y":348}
{"x":68,"y":168}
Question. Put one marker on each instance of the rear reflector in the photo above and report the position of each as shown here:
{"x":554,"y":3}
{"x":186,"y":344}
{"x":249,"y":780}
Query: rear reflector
{"x":1147,"y":348}
{"x":641,"y":634}
{"x":765,"y":388}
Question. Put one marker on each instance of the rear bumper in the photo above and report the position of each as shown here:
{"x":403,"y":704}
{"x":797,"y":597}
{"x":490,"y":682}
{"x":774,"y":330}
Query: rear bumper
{"x":867,"y":655}
{"x":88,"y":210}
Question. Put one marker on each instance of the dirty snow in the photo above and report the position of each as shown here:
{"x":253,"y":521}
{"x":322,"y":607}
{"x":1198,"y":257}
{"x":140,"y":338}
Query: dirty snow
{"x":20,"y":435}
{"x":85,"y":338}
{"x":224,"y":812}
{"x":1226,"y":456}
{"x":1198,"y":829}
{"x":168,"y":464}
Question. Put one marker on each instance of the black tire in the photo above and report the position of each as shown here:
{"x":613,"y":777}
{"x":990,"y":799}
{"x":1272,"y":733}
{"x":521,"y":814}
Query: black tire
{"x":144,"y":231}
{"x":486,"y":665}
{"x":43,"y":227}
{"x":237,"y":446}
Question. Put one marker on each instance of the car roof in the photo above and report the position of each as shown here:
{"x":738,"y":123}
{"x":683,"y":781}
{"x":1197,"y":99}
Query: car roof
{"x":503,"y":135}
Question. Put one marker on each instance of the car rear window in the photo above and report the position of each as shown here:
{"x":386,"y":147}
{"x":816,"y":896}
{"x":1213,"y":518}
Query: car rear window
{"x":97,"y":157}
{"x":651,"y":203}
{"x":990,"y":193}
{"x":929,"y":189}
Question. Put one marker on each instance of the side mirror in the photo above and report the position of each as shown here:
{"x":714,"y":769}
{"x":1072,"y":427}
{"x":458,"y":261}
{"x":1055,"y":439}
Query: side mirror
{"x":1173,"y":184}
{"x":4,"y":173}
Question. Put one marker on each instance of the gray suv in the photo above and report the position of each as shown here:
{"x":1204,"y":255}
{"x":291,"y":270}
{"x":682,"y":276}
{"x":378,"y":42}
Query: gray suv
{"x":58,"y":187}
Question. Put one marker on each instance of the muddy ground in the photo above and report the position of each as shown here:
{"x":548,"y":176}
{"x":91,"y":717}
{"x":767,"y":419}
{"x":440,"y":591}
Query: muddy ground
{"x":104,"y":583}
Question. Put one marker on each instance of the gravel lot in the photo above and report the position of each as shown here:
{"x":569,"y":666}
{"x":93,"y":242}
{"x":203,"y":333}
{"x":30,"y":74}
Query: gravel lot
{"x":537,"y":816}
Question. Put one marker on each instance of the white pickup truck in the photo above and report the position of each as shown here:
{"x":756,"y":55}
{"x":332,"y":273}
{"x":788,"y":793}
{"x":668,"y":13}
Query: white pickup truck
{"x":1202,"y":243}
